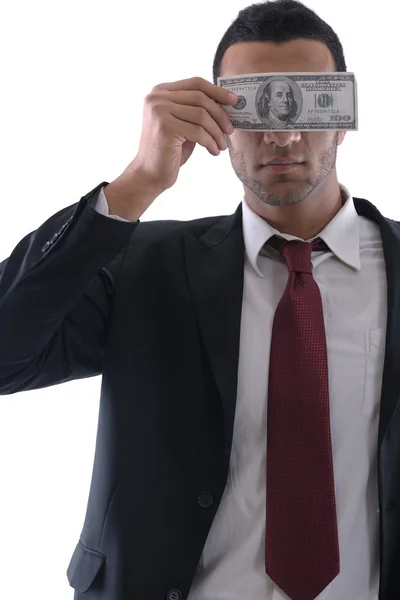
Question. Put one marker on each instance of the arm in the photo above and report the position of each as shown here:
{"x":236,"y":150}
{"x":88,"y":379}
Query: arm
{"x":55,"y":294}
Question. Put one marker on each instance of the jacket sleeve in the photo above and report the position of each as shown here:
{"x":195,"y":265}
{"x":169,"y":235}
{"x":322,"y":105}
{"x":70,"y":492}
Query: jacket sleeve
{"x":56,"y":290}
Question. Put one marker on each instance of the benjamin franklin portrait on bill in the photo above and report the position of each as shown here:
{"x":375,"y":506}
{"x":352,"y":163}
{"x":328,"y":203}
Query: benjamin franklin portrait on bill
{"x":277,"y":106}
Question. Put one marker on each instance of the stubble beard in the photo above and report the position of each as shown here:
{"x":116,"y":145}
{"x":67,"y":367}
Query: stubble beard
{"x":285,"y":190}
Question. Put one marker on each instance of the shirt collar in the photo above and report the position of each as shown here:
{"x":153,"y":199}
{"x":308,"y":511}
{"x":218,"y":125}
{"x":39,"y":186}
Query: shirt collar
{"x":341,"y":234}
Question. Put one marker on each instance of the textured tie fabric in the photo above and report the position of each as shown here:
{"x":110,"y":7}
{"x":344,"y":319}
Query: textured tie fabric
{"x":301,"y":541}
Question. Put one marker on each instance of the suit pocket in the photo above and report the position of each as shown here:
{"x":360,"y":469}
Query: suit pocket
{"x":375,"y":345}
{"x":84,"y":567}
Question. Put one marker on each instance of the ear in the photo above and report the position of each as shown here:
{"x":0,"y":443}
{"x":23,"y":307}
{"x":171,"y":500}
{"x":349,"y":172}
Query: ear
{"x":341,"y":135}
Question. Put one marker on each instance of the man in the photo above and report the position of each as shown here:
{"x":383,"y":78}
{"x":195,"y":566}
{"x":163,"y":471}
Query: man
{"x":219,"y":470}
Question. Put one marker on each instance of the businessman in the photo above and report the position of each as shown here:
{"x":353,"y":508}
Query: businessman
{"x":248,"y":439}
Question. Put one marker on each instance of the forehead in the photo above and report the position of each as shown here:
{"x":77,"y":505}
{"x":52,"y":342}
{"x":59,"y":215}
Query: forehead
{"x":271,"y":57}
{"x":280,"y":86}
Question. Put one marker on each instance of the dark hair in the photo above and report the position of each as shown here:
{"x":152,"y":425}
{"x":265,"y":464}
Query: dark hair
{"x":280,"y":21}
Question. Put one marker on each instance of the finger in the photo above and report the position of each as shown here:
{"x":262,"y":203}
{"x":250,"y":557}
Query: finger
{"x":199,"y":116}
{"x":215,"y":92}
{"x":199,"y":99}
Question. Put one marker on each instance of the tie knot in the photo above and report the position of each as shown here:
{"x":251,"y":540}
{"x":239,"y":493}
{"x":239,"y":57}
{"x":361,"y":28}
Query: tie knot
{"x":296,"y":254}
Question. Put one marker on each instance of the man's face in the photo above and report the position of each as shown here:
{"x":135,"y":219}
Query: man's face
{"x":249,"y":150}
{"x":281,"y":100}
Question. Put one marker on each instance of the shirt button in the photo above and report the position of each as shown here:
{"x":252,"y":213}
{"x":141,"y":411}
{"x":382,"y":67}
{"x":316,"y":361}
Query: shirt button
{"x":174,"y":594}
{"x":205,"y":500}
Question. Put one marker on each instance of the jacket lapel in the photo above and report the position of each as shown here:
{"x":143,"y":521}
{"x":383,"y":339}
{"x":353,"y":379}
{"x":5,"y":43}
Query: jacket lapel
{"x":215,"y":265}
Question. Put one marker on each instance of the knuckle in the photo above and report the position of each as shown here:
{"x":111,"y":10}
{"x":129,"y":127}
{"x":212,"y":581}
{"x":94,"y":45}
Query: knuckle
{"x":149,"y":99}
{"x":201,"y":114}
{"x":199,"y":96}
{"x":155,"y":109}
{"x":157,"y":114}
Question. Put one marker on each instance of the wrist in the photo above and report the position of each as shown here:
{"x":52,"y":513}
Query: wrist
{"x":130,"y":195}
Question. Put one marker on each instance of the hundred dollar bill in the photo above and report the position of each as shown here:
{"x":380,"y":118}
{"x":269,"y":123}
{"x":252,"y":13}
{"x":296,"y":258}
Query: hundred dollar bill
{"x":302,"y":101}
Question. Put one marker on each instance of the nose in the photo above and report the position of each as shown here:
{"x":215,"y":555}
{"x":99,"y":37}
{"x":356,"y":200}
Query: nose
{"x":282,"y":138}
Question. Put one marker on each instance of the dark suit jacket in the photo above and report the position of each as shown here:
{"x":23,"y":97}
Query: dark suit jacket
{"x":155,"y":308}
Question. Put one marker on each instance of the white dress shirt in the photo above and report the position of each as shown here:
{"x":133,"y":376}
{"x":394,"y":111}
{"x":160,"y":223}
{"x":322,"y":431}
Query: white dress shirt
{"x":353,"y":286}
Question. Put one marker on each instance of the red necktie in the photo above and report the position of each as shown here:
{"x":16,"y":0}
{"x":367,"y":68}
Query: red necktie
{"x":301,"y":538}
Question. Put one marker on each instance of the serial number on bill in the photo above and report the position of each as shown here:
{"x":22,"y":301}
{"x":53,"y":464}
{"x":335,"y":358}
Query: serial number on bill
{"x":324,"y":111}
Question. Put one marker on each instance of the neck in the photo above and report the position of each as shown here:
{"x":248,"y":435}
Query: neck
{"x":304,"y":219}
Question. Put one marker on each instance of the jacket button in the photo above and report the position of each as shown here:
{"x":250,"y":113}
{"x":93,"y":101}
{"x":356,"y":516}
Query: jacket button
{"x":174,"y":594}
{"x":205,"y":500}
{"x":66,"y":224}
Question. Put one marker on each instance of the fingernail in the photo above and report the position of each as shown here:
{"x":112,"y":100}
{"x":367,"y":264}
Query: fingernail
{"x":233,"y":96}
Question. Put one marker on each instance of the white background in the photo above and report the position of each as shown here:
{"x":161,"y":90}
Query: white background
{"x":73,"y":79}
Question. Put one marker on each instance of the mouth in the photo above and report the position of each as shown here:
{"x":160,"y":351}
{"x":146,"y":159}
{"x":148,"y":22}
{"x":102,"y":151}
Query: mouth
{"x":281,"y":167}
